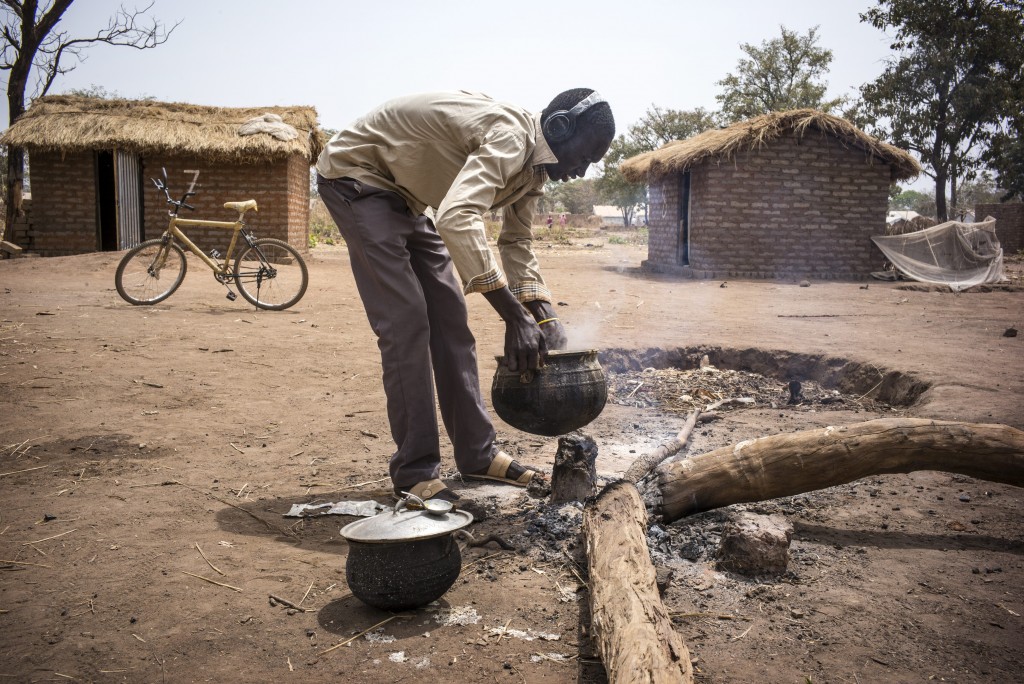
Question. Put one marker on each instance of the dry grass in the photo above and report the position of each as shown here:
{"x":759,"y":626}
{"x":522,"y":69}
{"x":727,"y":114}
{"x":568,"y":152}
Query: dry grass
{"x":322,"y":229}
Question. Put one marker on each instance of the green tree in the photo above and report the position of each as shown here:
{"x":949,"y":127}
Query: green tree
{"x":575,"y":197}
{"x":656,"y":128}
{"x":1005,"y":156}
{"x":782,"y":73}
{"x":981,"y":190}
{"x":955,"y":79}
{"x":36,"y":50}
{"x":913,"y":200}
{"x":615,"y":190}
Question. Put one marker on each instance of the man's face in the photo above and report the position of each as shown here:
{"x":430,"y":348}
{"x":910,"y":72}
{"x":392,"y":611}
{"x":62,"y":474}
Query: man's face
{"x":576,"y":154}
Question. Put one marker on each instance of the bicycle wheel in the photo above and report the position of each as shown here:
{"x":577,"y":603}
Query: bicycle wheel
{"x":271,"y":274}
{"x":151,"y":272}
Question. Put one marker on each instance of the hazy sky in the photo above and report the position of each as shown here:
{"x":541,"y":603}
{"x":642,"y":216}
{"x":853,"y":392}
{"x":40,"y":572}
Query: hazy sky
{"x":345,"y":57}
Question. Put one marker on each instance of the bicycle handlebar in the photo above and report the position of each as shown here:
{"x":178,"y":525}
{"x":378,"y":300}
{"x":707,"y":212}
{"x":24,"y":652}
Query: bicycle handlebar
{"x":161,"y":185}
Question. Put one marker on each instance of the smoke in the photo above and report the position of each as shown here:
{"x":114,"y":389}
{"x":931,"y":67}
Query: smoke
{"x":585,"y":331}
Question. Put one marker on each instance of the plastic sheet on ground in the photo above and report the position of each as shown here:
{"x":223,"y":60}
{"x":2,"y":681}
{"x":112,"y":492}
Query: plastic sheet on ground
{"x":363,"y":509}
{"x":960,"y":255}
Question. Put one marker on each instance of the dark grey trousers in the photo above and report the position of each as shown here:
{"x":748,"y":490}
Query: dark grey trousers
{"x":416,"y":308}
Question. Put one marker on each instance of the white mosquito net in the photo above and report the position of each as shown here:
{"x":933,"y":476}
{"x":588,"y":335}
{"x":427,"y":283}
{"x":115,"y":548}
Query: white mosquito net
{"x":956,"y":254}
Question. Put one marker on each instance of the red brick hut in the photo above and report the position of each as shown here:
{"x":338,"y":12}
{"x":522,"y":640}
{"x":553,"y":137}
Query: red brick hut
{"x":90,"y":161}
{"x":794,"y":194}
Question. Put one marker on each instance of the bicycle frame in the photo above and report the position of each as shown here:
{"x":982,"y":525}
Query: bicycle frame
{"x":236,"y":226}
{"x":269,"y":273}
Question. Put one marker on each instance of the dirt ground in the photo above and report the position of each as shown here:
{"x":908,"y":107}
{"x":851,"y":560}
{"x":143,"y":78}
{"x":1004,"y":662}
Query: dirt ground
{"x":147,"y":456}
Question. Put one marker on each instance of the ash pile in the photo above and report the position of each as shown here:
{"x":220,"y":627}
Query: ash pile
{"x":550,"y":529}
{"x":682,"y":391}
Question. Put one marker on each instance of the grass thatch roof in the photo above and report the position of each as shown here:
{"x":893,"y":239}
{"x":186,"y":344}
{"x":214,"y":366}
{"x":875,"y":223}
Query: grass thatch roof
{"x":724,"y":143}
{"x":75,"y":124}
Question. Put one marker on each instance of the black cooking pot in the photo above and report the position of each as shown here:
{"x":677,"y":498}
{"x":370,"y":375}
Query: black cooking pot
{"x":568,"y":392}
{"x":402,"y":575}
{"x":403,"y":559}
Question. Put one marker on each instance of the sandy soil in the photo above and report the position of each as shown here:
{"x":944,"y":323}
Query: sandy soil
{"x":147,"y":456}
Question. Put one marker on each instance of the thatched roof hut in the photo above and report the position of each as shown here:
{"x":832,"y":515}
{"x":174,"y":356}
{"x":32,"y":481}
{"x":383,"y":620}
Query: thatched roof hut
{"x":723,"y":144}
{"x":90,"y":160}
{"x":785,"y":195}
{"x":71,"y":123}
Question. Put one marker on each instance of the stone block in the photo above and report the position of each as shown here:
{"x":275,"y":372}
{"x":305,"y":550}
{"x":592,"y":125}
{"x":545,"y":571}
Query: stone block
{"x":755,"y":545}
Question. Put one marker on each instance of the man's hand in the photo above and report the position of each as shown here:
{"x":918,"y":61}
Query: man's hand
{"x":550,"y":326}
{"x":524,"y":343}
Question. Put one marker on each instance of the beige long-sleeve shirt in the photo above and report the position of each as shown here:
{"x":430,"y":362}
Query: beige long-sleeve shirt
{"x":462,"y":154}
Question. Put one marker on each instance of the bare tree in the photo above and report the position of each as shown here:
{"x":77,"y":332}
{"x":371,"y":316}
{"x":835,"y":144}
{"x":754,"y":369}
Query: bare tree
{"x":35,"y":50}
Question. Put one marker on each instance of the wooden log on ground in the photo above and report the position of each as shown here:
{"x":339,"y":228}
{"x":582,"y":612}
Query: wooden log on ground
{"x":784,"y":465}
{"x":630,"y":624}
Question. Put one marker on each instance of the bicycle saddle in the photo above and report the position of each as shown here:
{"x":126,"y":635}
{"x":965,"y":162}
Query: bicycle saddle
{"x":241,"y":207}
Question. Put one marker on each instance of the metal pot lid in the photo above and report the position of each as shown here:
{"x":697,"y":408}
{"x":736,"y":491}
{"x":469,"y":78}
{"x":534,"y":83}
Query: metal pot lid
{"x":405,"y":525}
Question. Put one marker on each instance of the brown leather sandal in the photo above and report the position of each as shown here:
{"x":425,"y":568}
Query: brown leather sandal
{"x":498,"y":471}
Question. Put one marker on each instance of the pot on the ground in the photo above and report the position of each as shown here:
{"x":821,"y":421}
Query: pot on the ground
{"x":565,"y":394}
{"x":403,"y":559}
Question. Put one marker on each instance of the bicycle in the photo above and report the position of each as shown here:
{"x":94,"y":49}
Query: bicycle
{"x":269,"y":273}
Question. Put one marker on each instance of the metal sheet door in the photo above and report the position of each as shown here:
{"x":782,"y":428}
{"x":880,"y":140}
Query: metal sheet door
{"x":129,"y":205}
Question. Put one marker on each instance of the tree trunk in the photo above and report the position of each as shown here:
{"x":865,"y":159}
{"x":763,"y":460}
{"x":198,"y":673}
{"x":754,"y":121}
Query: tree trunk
{"x":784,"y":465}
{"x":16,"y":85}
{"x":630,"y":624}
{"x":13,"y":190}
{"x":575,"y":473}
{"x":941,"y":211}
{"x":954,"y":199}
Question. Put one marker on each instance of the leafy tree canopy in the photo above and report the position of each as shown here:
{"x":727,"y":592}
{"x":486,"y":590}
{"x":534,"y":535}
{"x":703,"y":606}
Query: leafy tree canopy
{"x":912,"y":200}
{"x":954,"y":83}
{"x":575,"y":197}
{"x":1005,"y":156}
{"x":781,"y":73}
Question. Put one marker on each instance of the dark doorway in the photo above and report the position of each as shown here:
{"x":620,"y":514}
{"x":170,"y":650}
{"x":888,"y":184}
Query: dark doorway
{"x":106,"y":201}
{"x":683,"y":246}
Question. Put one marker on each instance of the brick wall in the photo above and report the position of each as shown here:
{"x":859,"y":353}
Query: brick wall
{"x":663,"y":222}
{"x":280,"y":188}
{"x":797,"y":208}
{"x":63,"y":204}
{"x":64,"y":211}
{"x":1009,"y":224}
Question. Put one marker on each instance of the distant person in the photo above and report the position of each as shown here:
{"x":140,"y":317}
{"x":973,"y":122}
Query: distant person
{"x":462,"y":154}
{"x":561,"y":220}
{"x":550,"y":221}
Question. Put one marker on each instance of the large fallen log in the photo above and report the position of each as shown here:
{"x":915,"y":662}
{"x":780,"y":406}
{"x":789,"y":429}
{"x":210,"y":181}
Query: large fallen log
{"x":629,"y":622}
{"x":784,"y":465}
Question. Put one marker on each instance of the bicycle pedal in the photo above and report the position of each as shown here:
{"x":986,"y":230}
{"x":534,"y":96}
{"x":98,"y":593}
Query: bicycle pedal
{"x":231,"y":296}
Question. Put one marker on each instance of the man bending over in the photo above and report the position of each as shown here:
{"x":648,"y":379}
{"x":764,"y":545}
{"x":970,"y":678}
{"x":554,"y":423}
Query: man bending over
{"x":461,"y":154}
